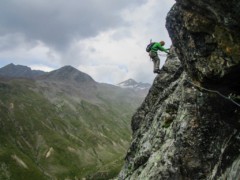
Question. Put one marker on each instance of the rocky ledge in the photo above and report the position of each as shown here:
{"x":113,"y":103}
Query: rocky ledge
{"x":188,"y":127}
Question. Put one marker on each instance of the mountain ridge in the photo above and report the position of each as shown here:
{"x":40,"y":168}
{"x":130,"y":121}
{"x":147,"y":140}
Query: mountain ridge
{"x":21,"y":71}
{"x":67,"y":74}
{"x":63,"y":125}
{"x":64,"y":73}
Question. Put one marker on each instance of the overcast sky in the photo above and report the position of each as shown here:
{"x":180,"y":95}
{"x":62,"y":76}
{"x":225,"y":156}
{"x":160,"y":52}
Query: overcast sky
{"x":103,"y":38}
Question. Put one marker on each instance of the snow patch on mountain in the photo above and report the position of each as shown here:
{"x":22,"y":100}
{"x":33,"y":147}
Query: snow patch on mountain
{"x":132,"y":84}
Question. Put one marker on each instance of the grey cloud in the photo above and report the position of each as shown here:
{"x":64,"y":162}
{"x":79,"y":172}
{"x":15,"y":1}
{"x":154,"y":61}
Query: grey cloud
{"x":57,"y":23}
{"x":13,"y":41}
{"x":125,"y":33}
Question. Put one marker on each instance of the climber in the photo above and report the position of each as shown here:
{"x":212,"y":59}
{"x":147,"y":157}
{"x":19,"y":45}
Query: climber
{"x":154,"y":56}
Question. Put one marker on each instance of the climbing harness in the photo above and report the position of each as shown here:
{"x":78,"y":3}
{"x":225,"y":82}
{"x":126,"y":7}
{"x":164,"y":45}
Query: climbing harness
{"x":216,"y":92}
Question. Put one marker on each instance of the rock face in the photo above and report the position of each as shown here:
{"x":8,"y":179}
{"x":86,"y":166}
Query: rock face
{"x":188,"y":126}
{"x":206,"y":37}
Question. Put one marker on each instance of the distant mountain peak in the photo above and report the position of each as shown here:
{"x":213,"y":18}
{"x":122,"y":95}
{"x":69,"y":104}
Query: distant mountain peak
{"x":68,"y":67}
{"x":19,"y":71}
{"x":11,"y":64}
{"x":68,"y":73}
{"x":131,"y":83}
{"x":22,"y":67}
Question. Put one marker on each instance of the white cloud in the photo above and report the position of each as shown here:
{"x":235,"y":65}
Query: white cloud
{"x":104,"y":73}
{"x":124,"y":48}
{"x":123,"y":58}
{"x":41,"y":67}
{"x":31,"y":53}
{"x":109,"y":55}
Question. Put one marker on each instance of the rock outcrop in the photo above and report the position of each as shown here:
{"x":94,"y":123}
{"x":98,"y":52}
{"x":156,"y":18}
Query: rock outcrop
{"x":188,"y":126}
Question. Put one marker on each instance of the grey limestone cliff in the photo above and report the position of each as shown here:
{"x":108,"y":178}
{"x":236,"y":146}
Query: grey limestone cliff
{"x":188,"y":126}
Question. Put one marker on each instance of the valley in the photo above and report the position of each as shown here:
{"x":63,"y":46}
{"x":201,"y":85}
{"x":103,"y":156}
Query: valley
{"x":64,"y":125}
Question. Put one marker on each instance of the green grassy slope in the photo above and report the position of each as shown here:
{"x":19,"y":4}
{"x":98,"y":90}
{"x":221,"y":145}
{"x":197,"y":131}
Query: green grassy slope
{"x":42,"y":138}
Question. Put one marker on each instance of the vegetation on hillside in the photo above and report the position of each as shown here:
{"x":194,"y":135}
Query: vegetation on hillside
{"x":46,"y":134}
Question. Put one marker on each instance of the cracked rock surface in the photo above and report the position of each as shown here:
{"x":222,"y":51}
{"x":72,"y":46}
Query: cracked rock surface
{"x":188,"y":126}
